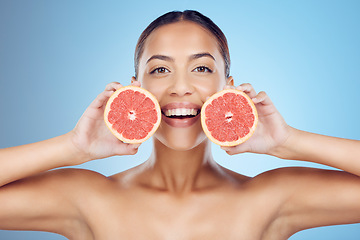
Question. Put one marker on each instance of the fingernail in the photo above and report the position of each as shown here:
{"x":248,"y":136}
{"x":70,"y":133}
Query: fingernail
{"x":136,"y":146}
{"x":229,"y":87}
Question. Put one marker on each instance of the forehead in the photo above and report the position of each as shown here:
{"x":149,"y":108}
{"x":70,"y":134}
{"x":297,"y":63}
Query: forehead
{"x":180,"y":39}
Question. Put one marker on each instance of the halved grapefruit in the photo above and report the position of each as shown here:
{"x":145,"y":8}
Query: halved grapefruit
{"x":229,"y":117}
{"x":132,"y":114}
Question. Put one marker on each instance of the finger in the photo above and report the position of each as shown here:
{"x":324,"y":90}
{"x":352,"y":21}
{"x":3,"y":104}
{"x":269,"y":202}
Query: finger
{"x":228,"y":150}
{"x":242,"y":148}
{"x":102,"y":98}
{"x":262,"y":98}
{"x":136,"y":145}
{"x":135,"y":82}
{"x":128,"y":149}
{"x":227,"y":86}
{"x":248,"y":89}
{"x":113,"y":86}
{"x":133,"y":148}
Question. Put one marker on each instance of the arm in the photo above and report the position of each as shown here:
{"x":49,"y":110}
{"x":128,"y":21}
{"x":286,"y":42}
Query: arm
{"x":340,"y":153}
{"x":50,"y":201}
{"x":311,"y":197}
{"x":23,"y":161}
{"x":33,"y":199}
{"x":274,"y":137}
{"x":89,"y":140}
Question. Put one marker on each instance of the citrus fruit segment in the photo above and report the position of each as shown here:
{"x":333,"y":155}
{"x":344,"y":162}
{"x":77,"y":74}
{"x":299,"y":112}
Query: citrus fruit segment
{"x":132,"y":114}
{"x":229,"y":117}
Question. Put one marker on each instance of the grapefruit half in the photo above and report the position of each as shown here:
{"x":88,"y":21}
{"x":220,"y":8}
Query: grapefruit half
{"x":132,"y":114}
{"x":229,"y":117}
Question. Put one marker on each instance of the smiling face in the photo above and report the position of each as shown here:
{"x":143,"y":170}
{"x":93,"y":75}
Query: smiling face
{"x":181,"y":65}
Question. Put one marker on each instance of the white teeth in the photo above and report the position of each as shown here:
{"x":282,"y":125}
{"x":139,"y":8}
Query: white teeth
{"x":180,"y":112}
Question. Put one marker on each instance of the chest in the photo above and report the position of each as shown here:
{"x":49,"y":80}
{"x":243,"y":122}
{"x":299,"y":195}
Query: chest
{"x":161,"y":217}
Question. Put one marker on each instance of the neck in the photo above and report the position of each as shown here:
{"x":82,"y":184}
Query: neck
{"x":181,"y":171}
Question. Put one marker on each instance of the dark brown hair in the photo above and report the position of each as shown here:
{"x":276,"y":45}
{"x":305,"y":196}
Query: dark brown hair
{"x":188,"y":15}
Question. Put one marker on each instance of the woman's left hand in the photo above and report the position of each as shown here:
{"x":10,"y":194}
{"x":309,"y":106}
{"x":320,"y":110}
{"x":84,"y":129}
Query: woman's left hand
{"x":271,"y":132}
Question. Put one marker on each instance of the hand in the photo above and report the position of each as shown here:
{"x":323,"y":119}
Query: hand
{"x":271,"y":132}
{"x":91,"y":136}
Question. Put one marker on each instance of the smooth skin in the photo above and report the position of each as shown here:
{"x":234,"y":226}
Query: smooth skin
{"x":180,"y":192}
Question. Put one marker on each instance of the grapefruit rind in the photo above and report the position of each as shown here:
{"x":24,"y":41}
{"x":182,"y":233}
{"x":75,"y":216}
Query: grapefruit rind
{"x":240,"y":140}
{"x":119,"y":135}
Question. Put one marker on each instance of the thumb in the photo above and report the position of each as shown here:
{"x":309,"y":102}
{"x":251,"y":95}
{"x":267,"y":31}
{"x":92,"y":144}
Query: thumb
{"x":241,"y":148}
{"x":127,"y":148}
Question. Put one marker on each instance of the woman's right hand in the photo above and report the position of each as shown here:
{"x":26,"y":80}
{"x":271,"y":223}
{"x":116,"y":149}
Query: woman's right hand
{"x":92,"y":138}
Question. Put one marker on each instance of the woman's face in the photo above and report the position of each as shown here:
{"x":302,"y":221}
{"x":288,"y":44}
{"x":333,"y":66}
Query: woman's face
{"x":181,"y":65}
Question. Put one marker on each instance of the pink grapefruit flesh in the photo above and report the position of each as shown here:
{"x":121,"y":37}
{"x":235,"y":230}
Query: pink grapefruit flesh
{"x":229,"y":117}
{"x":132,"y":114}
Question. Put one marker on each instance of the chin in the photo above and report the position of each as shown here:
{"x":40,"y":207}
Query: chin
{"x":181,"y":142}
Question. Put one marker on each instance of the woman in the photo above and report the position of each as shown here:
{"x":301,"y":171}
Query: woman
{"x":180,"y":192}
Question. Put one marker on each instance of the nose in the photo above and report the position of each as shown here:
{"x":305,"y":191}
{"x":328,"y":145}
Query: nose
{"x":181,"y":86}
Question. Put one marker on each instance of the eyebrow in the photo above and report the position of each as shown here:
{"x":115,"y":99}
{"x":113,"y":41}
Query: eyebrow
{"x":200,"y":55}
{"x":160,"y":57}
{"x":170,"y":59}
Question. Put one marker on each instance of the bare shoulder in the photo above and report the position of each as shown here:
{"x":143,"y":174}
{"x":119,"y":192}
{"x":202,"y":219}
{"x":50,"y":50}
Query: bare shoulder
{"x":285,"y":174}
{"x":69,"y":183}
{"x":309,"y":197}
{"x":53,"y":201}
{"x":285,"y":181}
{"x":290,"y":175}
{"x":71,"y":177}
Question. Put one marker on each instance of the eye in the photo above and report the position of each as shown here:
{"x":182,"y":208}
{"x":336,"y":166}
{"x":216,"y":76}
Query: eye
{"x":159,"y":70}
{"x":202,"y":69}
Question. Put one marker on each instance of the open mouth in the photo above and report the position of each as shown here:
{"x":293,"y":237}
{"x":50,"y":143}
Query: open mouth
{"x":181,"y":113}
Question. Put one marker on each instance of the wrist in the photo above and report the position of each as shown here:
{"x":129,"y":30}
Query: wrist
{"x":76,"y":154}
{"x":285,"y":150}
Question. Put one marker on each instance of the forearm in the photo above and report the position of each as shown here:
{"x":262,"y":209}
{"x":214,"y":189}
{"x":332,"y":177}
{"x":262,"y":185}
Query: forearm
{"x":26,"y":160}
{"x":340,"y":153}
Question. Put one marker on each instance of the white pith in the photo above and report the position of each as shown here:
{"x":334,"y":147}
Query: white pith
{"x":132,"y":115}
{"x":181,"y":112}
{"x":228,"y":116}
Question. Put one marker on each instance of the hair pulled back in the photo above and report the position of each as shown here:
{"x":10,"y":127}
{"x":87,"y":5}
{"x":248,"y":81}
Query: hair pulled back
{"x":188,"y":15}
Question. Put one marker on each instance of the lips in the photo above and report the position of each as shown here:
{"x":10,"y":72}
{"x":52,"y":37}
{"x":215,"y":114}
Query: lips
{"x":180,"y":114}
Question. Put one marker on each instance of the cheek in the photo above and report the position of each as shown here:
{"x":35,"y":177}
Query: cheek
{"x":210,"y":87}
{"x":152,"y":85}
{"x":155,"y":87}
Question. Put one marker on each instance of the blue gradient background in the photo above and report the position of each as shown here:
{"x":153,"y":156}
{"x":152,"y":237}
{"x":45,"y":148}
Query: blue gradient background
{"x":56,"y":56}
